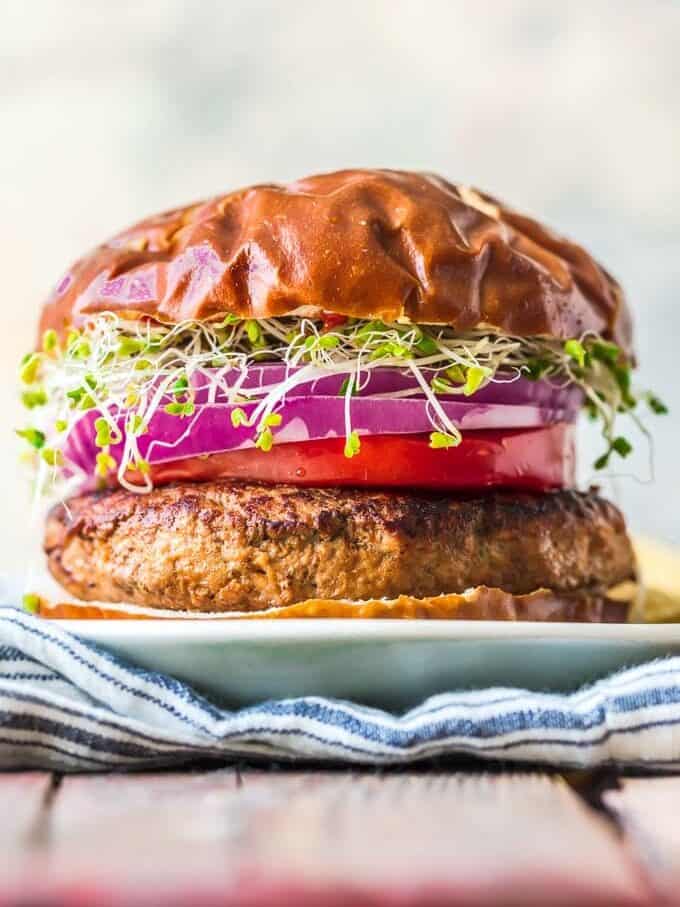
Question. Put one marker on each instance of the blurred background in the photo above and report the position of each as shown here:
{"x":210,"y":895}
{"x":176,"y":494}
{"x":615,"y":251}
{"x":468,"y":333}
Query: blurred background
{"x":570,"y":111}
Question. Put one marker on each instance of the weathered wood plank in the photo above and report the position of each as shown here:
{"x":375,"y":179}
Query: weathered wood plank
{"x":25,"y":801}
{"x":22,"y":797}
{"x":331,"y":839}
{"x":468,"y":839}
{"x":160,"y":838}
{"x":649,"y":812}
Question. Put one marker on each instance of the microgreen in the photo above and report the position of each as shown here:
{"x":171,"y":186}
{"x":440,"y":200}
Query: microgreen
{"x":31,"y":603}
{"x":135,"y":425}
{"x":238,"y":417}
{"x":130,"y":346}
{"x":605,"y":352}
{"x":456,"y":374}
{"x":535,"y":369}
{"x":622,"y":446}
{"x":475,"y":376}
{"x":228,"y":320}
{"x":440,"y":440}
{"x":345,"y":388}
{"x":576,"y":351}
{"x":31,"y":399}
{"x":179,"y":409}
{"x":441,"y":385}
{"x":52,"y":456}
{"x":30,"y":368}
{"x":105,"y":464}
{"x":34,"y":436}
{"x":426,"y":346}
{"x":656,"y":405}
{"x":180,"y":386}
{"x":128,"y":370}
{"x":103,"y":436}
{"x":50,"y":341}
{"x":72,"y":338}
{"x":80,"y":348}
{"x":265,"y":440}
{"x":254,"y":333}
{"x":391,"y":349}
{"x":352,"y":445}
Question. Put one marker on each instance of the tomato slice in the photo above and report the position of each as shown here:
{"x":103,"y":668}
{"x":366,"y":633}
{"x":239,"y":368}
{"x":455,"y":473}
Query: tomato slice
{"x":539,"y":459}
{"x":331,"y":321}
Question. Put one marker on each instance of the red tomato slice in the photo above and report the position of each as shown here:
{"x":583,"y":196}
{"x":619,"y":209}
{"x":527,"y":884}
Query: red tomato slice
{"x":331,"y":321}
{"x":538,"y":459}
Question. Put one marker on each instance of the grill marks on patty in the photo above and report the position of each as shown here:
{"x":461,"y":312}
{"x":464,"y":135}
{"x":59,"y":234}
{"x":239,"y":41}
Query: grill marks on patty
{"x":222,"y":546}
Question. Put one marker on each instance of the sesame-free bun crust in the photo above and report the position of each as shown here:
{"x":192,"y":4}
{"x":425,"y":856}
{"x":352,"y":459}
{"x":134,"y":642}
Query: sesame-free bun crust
{"x":365,"y":243}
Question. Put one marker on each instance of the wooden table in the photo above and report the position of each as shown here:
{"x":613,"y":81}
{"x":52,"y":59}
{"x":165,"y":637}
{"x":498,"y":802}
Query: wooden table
{"x":440,"y":835}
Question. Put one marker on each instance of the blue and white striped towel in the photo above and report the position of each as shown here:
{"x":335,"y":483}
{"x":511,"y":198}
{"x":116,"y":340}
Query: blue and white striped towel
{"x":66,"y":704}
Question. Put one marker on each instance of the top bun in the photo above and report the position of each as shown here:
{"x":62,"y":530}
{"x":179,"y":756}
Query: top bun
{"x":380,"y":244}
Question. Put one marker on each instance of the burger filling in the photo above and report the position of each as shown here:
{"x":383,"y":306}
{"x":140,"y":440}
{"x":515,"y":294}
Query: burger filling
{"x":118,"y":398}
{"x":161,"y":431}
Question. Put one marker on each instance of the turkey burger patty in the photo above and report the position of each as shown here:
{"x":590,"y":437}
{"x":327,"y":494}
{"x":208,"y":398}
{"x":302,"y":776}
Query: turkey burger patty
{"x":222,"y":546}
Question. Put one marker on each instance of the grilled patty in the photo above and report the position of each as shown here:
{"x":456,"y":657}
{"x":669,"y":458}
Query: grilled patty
{"x":222,"y":546}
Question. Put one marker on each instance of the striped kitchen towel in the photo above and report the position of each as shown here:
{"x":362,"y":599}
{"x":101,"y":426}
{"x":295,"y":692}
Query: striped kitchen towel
{"x":66,"y":704}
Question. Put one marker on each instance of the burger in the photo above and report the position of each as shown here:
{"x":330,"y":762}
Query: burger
{"x":354,"y":395}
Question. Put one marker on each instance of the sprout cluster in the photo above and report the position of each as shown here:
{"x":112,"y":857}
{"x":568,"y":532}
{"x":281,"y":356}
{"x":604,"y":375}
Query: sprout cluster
{"x":127,"y":370}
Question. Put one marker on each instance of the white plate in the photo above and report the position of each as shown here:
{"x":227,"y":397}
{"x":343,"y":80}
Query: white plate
{"x":389,"y":663}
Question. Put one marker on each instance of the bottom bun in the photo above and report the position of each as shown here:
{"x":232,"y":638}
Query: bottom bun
{"x":480,"y":603}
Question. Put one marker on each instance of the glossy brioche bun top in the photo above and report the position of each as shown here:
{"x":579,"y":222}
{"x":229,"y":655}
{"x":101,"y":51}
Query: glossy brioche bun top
{"x":380,"y":244}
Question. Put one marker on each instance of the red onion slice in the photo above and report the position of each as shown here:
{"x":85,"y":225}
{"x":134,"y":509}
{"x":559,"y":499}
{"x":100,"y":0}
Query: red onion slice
{"x":506,"y":388}
{"x":210,"y":430}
